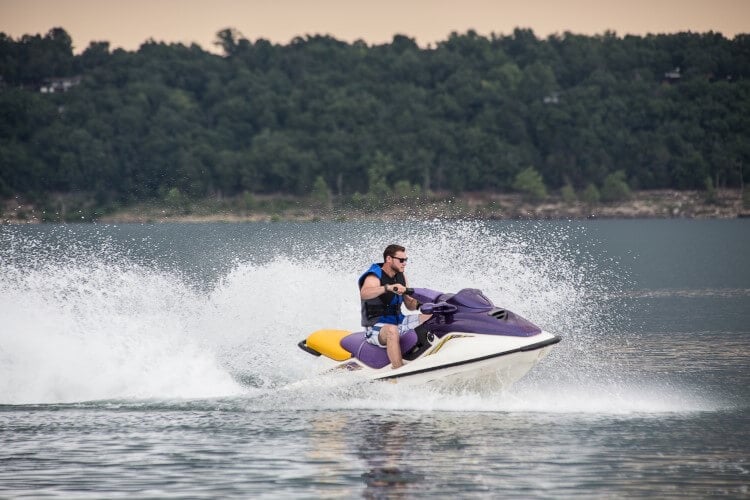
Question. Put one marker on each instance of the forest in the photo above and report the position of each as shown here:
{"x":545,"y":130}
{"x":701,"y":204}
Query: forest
{"x":471,"y":113}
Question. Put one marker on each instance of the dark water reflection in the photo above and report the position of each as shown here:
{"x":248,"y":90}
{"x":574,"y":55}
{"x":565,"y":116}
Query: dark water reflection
{"x":204,"y":454}
{"x":529,"y":455}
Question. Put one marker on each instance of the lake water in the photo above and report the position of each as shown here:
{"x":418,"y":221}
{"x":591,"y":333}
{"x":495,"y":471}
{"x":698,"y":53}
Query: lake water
{"x":161,"y":361}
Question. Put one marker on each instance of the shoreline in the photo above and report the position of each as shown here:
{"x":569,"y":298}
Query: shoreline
{"x":661,"y":204}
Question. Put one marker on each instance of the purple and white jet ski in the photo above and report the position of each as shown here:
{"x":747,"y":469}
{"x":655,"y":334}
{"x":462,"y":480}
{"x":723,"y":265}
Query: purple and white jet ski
{"x":468,"y":341}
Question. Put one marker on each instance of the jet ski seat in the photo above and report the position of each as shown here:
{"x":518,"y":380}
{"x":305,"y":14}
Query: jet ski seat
{"x":372,"y":355}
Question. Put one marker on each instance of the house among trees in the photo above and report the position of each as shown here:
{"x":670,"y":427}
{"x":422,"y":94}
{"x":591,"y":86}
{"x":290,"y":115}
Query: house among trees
{"x":672,"y":76}
{"x":59,"y":85}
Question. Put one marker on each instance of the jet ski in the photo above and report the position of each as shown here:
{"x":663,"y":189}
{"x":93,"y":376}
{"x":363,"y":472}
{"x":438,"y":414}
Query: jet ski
{"x":468,"y":341}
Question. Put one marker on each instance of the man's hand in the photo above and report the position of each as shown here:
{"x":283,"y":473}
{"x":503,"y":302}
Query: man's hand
{"x":397,"y":289}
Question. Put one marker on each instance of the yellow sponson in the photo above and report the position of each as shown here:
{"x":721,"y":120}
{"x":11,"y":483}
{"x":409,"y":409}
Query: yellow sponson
{"x":328,"y":343}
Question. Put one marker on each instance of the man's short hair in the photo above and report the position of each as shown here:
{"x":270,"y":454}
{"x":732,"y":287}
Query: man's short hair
{"x":391,"y":250}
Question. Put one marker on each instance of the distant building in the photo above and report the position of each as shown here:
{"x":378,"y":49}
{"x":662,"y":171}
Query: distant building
{"x":553,"y":98}
{"x":672,"y":76}
{"x":59,"y":85}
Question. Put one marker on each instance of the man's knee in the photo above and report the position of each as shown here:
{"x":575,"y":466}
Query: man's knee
{"x":390,"y":333}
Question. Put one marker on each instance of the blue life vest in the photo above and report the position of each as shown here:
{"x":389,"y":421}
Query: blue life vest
{"x":385,"y":308}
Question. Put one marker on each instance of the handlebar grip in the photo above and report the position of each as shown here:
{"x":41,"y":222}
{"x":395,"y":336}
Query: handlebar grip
{"x":409,"y":291}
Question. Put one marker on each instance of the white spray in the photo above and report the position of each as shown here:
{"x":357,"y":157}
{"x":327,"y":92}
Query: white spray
{"x":92,"y":322}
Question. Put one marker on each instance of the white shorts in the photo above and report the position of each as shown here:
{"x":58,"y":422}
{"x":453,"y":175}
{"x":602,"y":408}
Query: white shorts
{"x":372,"y":333}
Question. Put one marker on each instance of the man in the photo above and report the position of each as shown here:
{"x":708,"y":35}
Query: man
{"x":381,"y":291}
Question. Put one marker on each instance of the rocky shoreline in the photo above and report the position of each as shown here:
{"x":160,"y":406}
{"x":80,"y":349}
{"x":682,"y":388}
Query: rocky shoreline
{"x":664,"y":204}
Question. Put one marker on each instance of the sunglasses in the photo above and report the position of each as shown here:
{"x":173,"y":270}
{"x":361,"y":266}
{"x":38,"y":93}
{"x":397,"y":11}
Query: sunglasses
{"x":400,"y":259}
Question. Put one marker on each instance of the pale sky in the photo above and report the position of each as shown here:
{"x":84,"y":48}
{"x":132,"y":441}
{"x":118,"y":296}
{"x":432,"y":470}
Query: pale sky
{"x":128,"y":23}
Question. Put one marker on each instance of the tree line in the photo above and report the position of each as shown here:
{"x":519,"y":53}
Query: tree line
{"x":471,"y":113}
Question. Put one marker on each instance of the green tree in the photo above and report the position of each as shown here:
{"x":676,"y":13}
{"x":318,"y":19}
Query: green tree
{"x":404,"y":190}
{"x":615,"y":188}
{"x":568,"y":194}
{"x":379,"y":192}
{"x":175,"y":200}
{"x":530,"y":183}
{"x":467,"y":114}
{"x":710,"y":190}
{"x":591,"y":195}
{"x":320,"y":196}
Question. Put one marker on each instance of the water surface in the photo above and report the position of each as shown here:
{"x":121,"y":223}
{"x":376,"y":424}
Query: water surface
{"x":161,"y":360}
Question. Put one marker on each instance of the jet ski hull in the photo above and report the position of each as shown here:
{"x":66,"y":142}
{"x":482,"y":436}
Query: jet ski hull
{"x":497,"y":369}
{"x":465,"y":359}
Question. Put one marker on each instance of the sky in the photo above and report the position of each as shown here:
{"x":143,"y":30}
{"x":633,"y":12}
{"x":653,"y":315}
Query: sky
{"x":129,"y":23}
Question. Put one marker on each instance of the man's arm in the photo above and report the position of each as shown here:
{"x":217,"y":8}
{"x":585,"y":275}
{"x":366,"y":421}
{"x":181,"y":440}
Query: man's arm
{"x":409,"y":301}
{"x":371,"y":288}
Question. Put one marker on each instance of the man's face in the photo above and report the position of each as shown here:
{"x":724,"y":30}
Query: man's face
{"x":398,"y":261}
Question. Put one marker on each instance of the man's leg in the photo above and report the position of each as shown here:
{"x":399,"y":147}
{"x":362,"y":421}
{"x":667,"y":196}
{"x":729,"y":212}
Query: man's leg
{"x":389,"y":337}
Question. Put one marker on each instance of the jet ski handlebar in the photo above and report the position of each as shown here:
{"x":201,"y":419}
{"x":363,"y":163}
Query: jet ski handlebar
{"x":438,"y":308}
{"x":433,"y":307}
